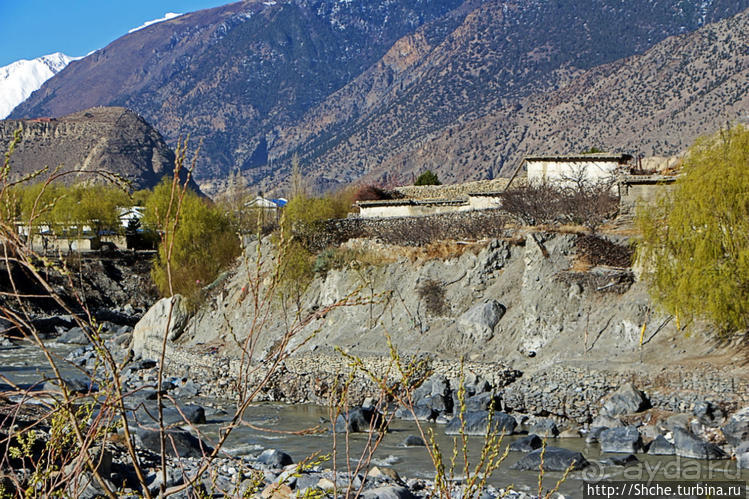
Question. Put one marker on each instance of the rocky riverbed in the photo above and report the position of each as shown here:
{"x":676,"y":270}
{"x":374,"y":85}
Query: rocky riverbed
{"x":551,"y":354}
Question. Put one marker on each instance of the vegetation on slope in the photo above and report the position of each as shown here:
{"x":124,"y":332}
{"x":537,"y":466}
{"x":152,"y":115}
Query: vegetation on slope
{"x":696,"y":241}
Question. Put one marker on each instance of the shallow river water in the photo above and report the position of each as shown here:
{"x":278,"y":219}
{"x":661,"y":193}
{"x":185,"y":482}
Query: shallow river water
{"x":27,"y":366}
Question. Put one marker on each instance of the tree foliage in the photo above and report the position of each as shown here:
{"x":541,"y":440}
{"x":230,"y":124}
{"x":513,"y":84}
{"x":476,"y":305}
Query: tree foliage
{"x":203,"y":243}
{"x":427,"y":178}
{"x":71,"y":208}
{"x":695,"y":241}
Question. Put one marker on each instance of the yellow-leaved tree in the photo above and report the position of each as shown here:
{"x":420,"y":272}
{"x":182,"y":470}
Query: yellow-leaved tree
{"x":202,"y":245}
{"x":695,"y":241}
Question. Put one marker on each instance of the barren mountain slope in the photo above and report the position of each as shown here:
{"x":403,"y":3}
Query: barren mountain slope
{"x":104,"y":138}
{"x":355,"y":86}
{"x":653,"y":104}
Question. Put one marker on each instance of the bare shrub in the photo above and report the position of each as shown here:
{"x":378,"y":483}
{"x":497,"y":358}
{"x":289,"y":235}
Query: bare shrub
{"x":599,"y":251}
{"x":577,"y":201}
{"x":433,"y":294}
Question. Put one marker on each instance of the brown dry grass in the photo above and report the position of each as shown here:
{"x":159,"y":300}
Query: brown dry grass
{"x":440,"y":250}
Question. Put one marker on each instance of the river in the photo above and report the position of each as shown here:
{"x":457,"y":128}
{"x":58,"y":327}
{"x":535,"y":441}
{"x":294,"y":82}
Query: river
{"x":26,"y":366}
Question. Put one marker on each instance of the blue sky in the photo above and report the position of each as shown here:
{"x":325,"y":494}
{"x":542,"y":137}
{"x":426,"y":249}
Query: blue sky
{"x":32,"y":28}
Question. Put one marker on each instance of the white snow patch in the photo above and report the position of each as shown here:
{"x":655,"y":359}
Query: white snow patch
{"x":19,"y":79}
{"x":167,"y":16}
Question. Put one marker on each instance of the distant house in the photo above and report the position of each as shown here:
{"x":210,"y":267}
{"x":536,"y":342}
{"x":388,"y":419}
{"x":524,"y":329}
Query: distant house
{"x":387,"y":208}
{"x":565,"y":170}
{"x":265,"y":203}
{"x":130,"y":213}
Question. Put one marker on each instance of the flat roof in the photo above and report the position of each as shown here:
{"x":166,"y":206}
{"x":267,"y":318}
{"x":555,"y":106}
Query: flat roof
{"x":492,"y":194}
{"x":410,"y":202}
{"x":648,"y":179}
{"x":581,"y":157}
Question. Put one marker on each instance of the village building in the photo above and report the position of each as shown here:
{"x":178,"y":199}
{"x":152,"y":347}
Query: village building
{"x":565,"y":170}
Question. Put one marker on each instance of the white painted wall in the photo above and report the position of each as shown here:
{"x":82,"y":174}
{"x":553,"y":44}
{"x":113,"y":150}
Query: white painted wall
{"x":560,"y":172}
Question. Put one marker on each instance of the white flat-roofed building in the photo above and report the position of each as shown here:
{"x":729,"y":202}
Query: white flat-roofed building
{"x":568,"y":169}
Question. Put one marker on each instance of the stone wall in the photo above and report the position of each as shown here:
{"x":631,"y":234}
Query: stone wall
{"x":415,"y":231}
{"x":452,"y":191}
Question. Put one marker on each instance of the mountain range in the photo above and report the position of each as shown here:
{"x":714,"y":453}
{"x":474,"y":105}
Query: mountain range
{"x":381,"y":90}
{"x":19,"y":79}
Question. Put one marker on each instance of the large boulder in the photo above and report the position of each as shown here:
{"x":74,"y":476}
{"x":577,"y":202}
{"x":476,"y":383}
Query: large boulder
{"x":481,"y":402}
{"x":742,"y":456}
{"x":736,"y":430}
{"x":708,"y":413}
{"x":554,"y":459}
{"x":626,"y":440}
{"x":479,"y":321}
{"x":185,"y":443}
{"x":476,"y":423}
{"x":434,"y":394}
{"x":544,"y":427}
{"x":688,"y":445}
{"x":274,"y":458}
{"x":626,"y":400}
{"x":190,"y":413}
{"x":149,"y":332}
{"x":359,"y":419}
{"x":388,"y":492}
{"x":661,"y":447}
{"x":527,"y":444}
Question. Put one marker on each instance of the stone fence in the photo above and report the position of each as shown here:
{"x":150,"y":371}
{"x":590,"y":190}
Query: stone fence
{"x":412,"y":231}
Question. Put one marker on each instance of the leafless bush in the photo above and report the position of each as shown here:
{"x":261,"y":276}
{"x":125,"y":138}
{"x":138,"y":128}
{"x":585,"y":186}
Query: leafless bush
{"x":433,"y":294}
{"x":599,"y":251}
{"x":577,"y":201}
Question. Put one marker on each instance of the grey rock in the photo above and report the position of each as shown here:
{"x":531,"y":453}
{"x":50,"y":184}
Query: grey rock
{"x":154,"y":480}
{"x":78,"y":384}
{"x":189,"y":389}
{"x":627,"y":460}
{"x":736,"y":430}
{"x":688,"y":445}
{"x":478,"y":322}
{"x":661,"y":447}
{"x":476,"y":423}
{"x":422,"y":413}
{"x":413,"y":441}
{"x":73,"y":336}
{"x":358,"y":419}
{"x":742,"y":455}
{"x":624,"y":440}
{"x":594,"y":434}
{"x":389,"y":492}
{"x":191,"y":413}
{"x":708,"y":413}
{"x":554,"y":459}
{"x":274,"y":458}
{"x":626,"y":400}
{"x":527,"y":444}
{"x":149,"y":331}
{"x":607,"y":422}
{"x":482,"y":402}
{"x":185,"y":443}
{"x":544,"y":427}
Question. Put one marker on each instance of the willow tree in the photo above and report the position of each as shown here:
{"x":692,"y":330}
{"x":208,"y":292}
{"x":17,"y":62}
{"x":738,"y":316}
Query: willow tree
{"x":695,"y":241}
{"x":195,"y":247}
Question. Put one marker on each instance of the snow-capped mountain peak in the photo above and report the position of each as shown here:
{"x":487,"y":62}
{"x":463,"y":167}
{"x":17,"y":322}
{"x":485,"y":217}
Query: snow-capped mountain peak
{"x":19,"y":79}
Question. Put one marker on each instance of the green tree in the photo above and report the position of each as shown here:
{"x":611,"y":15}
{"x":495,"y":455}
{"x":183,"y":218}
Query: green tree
{"x":202,"y":245}
{"x":427,"y":178}
{"x":695,"y":241}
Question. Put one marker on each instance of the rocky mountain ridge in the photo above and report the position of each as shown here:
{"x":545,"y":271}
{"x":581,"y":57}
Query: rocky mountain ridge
{"x":111,"y":139}
{"x":367,"y":88}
